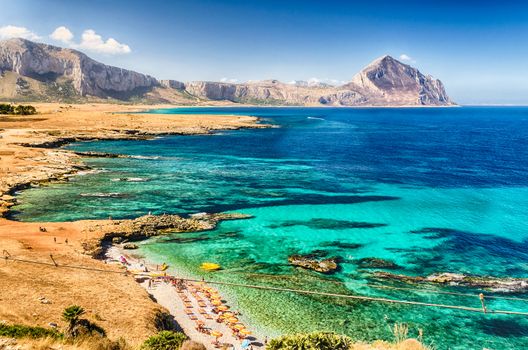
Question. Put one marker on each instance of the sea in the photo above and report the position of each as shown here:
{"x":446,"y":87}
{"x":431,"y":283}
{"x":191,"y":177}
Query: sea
{"x":405,"y":191}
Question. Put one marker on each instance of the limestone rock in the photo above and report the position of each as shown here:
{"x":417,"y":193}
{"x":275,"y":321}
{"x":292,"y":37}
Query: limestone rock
{"x":130,"y":246}
{"x":309,"y":262}
{"x":376,"y":263}
{"x":172,"y":84}
{"x":47,"y":63}
{"x":494,"y":284}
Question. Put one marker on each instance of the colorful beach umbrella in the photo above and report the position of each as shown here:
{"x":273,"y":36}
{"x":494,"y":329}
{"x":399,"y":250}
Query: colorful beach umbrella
{"x":223,"y":308}
{"x":228,"y":314}
{"x":239,"y":326}
{"x":245,"y":332}
{"x":216,"y":302}
{"x":232,"y":320}
{"x":216,"y":334}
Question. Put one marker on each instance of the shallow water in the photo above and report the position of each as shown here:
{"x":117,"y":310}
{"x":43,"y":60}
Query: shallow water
{"x":433,"y":190}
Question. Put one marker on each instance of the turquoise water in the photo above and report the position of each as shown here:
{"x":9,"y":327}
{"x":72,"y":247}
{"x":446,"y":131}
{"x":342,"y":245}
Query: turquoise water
{"x":433,"y":190}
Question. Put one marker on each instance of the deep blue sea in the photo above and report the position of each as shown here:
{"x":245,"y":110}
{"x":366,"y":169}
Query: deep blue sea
{"x":430,"y":189}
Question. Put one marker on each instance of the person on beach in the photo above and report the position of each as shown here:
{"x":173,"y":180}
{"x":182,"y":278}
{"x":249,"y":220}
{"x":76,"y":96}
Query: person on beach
{"x":150,"y":283}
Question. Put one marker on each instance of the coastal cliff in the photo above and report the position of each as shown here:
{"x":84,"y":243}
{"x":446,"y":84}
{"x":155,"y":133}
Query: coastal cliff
{"x":87,"y":77}
{"x":35,"y":71}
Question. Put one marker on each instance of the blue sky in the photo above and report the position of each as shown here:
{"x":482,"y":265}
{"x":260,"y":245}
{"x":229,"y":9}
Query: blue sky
{"x":478,"y":49}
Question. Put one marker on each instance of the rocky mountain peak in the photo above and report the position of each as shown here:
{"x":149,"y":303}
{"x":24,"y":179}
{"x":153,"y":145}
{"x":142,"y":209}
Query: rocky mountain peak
{"x":390,"y":79}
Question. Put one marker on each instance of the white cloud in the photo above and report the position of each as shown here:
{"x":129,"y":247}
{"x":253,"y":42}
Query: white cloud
{"x":227,"y":80}
{"x":92,"y":41}
{"x":62,"y":34}
{"x":407,"y":58}
{"x":10,"y":31}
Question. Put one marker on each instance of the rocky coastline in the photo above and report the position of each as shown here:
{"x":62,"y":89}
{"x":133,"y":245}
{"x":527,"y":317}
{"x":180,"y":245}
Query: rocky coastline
{"x":143,"y":227}
{"x":55,"y":164}
{"x":492,"y":284}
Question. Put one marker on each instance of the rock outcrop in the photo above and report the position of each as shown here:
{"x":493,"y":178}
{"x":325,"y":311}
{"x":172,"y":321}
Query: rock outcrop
{"x":152,"y":225}
{"x":376,"y":263}
{"x":173,"y":84}
{"x":494,"y":284}
{"x":47,"y":63}
{"x":327,"y":266}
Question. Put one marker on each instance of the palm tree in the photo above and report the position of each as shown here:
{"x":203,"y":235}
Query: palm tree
{"x":71,"y":315}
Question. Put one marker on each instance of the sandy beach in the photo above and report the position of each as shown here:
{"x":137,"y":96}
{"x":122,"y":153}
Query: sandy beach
{"x":190,"y":302}
{"x":36,"y":294}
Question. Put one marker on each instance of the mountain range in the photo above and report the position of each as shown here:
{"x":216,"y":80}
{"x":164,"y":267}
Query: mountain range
{"x":41,"y":72}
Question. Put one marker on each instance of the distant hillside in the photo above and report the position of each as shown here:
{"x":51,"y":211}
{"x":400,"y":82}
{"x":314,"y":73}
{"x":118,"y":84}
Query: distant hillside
{"x":34,"y":71}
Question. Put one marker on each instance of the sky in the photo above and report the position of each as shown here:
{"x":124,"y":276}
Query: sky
{"x":478,"y":49}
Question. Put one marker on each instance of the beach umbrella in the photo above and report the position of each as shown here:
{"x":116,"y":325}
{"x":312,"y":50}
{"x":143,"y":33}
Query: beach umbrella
{"x":216,"y":334}
{"x":245,"y":332}
{"x":216,"y":302}
{"x":223,"y":308}
{"x":228,"y":314}
{"x":245,"y":344}
{"x":232,"y":320}
{"x":239,"y":326}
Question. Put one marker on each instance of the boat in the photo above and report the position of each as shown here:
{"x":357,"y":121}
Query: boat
{"x":208,"y":266}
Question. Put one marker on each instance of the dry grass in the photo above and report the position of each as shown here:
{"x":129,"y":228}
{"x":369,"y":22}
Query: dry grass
{"x":83,"y":344}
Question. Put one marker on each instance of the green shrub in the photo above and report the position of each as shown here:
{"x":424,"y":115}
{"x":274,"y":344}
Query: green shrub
{"x":71,"y":315}
{"x":311,"y":341}
{"x":6,"y":108}
{"x":164,"y":340}
{"x":21,"y":331}
{"x":18,"y":110}
{"x":25,"y":110}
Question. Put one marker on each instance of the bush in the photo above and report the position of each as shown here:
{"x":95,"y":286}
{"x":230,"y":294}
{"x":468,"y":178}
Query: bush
{"x":311,"y":341}
{"x":18,"y":110}
{"x":164,"y":340}
{"x":6,"y":108}
{"x":21,"y":331}
{"x":192,"y":345}
{"x":25,"y":110}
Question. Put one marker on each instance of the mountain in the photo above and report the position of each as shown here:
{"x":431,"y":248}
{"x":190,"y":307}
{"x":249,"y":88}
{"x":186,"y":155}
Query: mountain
{"x":387,"y":80}
{"x":34,"y":71}
{"x":71,"y":69}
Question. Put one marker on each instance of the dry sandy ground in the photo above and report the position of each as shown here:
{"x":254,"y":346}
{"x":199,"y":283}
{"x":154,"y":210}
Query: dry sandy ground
{"x":114,"y":301}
